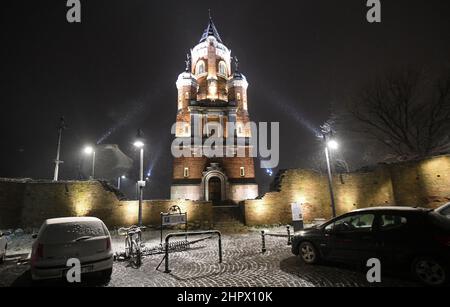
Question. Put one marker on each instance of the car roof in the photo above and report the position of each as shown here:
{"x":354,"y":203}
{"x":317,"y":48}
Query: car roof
{"x":394,"y":208}
{"x":443,"y":207}
{"x":65,"y":220}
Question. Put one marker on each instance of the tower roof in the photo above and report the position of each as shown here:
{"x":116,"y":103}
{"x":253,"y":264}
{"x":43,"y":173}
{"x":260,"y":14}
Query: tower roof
{"x":210,"y":30}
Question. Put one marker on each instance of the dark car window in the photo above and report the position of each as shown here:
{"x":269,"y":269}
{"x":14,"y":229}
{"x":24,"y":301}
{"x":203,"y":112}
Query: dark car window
{"x":353,"y":223}
{"x":390,"y":221}
{"x":446,"y":211}
{"x":440,"y":221}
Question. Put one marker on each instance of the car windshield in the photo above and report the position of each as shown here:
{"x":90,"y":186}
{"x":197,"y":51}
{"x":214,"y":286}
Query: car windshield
{"x":71,"y":232}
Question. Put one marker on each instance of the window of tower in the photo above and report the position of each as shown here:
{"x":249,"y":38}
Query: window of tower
{"x":238,"y":96}
{"x":222,"y":68}
{"x":200,"y":69}
{"x":186,"y":172}
{"x":242,"y":171}
{"x":240,"y":130}
{"x":186,"y":95}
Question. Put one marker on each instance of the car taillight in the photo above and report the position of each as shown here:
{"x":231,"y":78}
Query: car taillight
{"x":108,"y":244}
{"x":38,"y":254}
{"x":444,"y":240}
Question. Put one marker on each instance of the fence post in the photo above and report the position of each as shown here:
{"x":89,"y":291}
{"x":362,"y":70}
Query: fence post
{"x":167,"y":255}
{"x":263,"y":237}
{"x":289,"y":235}
{"x":220,"y":247}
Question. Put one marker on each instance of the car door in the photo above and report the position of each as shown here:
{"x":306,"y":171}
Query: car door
{"x":352,"y":238}
{"x":398,"y":237}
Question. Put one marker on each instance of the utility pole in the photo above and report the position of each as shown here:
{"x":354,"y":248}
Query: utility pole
{"x":61,"y":127}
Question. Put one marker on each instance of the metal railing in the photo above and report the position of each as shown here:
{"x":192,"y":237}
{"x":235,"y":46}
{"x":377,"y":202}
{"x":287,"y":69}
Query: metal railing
{"x":187,"y":234}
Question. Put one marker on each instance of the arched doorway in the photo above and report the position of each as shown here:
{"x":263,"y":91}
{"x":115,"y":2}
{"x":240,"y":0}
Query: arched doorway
{"x":214,"y":185}
{"x":215,"y":189}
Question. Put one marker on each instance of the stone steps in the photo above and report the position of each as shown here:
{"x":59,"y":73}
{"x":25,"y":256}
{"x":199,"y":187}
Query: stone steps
{"x":228,"y":219}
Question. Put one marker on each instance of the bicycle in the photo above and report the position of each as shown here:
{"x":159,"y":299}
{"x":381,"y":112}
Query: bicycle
{"x":133,"y":244}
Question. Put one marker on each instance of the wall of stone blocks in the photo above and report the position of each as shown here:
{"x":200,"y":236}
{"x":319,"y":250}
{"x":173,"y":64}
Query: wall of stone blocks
{"x":26,"y":204}
{"x":199,"y":213}
{"x":11,"y":201}
{"x":424,"y":183}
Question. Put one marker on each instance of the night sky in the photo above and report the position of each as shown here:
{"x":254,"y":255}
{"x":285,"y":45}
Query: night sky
{"x":116,"y":71}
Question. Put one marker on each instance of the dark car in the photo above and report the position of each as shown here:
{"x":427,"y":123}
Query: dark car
{"x":400,"y":237}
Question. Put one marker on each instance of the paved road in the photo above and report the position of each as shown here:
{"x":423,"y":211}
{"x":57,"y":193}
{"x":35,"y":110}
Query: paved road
{"x":243,"y":265}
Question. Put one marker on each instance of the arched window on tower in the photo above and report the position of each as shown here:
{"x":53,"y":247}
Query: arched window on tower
{"x":222,"y":68}
{"x":200,"y":68}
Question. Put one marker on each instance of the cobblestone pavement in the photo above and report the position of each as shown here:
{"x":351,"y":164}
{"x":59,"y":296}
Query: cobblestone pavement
{"x":243,"y":265}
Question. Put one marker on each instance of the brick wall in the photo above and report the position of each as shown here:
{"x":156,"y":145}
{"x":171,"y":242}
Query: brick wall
{"x":197,"y":166}
{"x":423,"y":183}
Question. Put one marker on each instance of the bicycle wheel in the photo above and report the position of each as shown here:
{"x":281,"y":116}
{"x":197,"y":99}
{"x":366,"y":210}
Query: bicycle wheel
{"x":128,"y":247}
{"x":136,"y":254}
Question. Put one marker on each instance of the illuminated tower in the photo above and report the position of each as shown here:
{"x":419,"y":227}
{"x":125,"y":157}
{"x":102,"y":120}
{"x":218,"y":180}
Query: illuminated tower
{"x":212,"y":95}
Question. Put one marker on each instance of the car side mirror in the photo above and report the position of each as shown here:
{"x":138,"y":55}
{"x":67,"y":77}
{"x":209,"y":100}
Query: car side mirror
{"x":34,"y":236}
{"x":329,"y":231}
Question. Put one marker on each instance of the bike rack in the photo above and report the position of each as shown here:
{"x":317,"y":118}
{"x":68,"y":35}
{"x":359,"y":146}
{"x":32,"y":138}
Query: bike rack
{"x":186,"y":234}
{"x":264,"y":234}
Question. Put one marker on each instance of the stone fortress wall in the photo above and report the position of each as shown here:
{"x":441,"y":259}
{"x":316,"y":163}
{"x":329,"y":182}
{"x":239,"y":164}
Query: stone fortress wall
{"x":424,"y":183}
{"x":27,"y":203}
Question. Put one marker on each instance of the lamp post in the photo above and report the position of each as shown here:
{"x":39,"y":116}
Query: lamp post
{"x":119,"y":181}
{"x":89,"y":150}
{"x":333,"y":145}
{"x":139,"y":144}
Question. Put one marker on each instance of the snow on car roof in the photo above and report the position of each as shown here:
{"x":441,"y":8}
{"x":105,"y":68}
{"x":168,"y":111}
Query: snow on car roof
{"x":64,"y":220}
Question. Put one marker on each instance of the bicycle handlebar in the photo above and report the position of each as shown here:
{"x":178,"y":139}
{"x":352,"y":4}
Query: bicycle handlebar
{"x":124,"y":231}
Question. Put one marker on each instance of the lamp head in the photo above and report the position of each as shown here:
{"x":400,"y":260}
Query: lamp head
{"x":88,"y":150}
{"x":333,"y":145}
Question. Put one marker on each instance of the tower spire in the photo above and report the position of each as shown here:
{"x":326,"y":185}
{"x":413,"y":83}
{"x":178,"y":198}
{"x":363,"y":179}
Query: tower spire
{"x":210,"y":30}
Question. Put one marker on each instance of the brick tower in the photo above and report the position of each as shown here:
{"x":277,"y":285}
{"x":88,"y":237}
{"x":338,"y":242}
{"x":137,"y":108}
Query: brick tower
{"x":212,"y":97}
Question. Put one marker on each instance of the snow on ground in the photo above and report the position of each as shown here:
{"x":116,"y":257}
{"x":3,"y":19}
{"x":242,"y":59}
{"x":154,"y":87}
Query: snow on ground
{"x":19,"y":243}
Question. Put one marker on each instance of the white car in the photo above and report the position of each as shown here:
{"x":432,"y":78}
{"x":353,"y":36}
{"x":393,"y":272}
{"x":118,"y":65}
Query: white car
{"x":444,"y":210}
{"x":84,"y":238}
{"x":3,"y":246}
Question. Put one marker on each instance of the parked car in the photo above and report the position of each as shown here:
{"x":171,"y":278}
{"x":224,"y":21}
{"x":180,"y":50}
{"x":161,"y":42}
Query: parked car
{"x":3,"y":246}
{"x":83,"y":238}
{"x":444,"y":210}
{"x":409,"y":238}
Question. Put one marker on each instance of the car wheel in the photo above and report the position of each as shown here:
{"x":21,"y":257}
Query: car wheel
{"x":3,"y":257}
{"x":106,"y":274}
{"x":429,"y":271}
{"x":308,"y":253}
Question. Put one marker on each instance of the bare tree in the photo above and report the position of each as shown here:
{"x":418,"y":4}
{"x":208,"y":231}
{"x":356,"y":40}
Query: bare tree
{"x":404,"y":111}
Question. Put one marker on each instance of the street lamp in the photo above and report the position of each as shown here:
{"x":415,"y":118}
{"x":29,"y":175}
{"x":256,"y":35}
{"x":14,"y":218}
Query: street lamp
{"x":89,"y":150}
{"x":139,"y":144}
{"x":333,"y":145}
{"x":330,"y":144}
